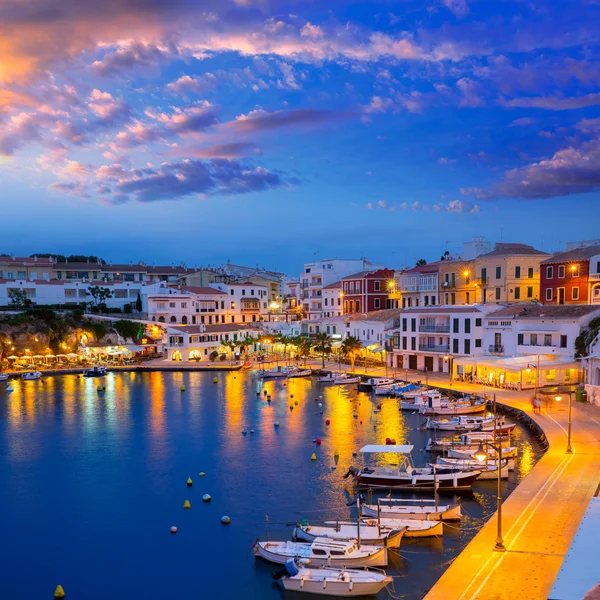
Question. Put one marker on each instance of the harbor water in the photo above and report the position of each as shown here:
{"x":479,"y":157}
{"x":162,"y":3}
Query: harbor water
{"x":91,"y":482}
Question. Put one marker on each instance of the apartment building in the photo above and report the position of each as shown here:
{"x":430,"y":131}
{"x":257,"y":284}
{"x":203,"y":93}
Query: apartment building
{"x":14,"y":268}
{"x":332,"y":300}
{"x":367,"y":291}
{"x":419,"y":286}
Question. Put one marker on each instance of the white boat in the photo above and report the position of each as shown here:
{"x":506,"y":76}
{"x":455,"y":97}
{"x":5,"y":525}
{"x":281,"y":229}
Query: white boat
{"x":417,"y":400}
{"x":372,"y":383}
{"x":3,"y":376}
{"x":276,"y":372}
{"x":422,"y":509}
{"x":385,"y":390}
{"x":446,"y":406}
{"x":414,"y":528}
{"x":324,"y":552}
{"x":95,"y":372}
{"x":303,"y":373}
{"x":466,"y":440}
{"x":489,"y":469}
{"x":369,"y":534}
{"x":338,"y":379}
{"x":469,"y":452}
{"x":406,"y":476}
{"x":459,"y":423}
{"x":31,"y":375}
{"x":501,"y":428}
{"x":341,"y":583}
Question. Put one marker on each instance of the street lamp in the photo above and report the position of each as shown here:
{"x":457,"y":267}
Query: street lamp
{"x":558,"y":398}
{"x":450,"y":360}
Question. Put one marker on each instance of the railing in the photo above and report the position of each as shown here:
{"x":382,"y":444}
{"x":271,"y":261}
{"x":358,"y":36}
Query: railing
{"x":496,"y":349}
{"x":594,"y":276}
{"x":176,"y":345}
{"x":428,"y":348}
{"x":447,"y":285}
{"x":314,"y":295}
{"x":250,"y":308}
{"x":434,"y":328}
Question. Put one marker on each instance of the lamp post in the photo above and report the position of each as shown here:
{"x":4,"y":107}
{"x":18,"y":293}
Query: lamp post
{"x":450,"y":360}
{"x":558,"y":398}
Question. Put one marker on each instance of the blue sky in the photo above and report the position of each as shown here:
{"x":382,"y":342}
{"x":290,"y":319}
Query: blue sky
{"x":276,"y":132}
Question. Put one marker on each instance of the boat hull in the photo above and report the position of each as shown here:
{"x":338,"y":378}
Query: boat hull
{"x":378,"y":558}
{"x":415,"y":528}
{"x":462,"y":481}
{"x":299,"y":374}
{"x":338,"y":589}
{"x":448,"y":513}
{"x":454,"y":410}
{"x":469,"y":452}
{"x":391,"y":541}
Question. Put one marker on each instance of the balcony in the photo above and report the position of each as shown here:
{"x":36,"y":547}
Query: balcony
{"x":496,"y":349}
{"x":434,"y":328}
{"x":594,"y":276}
{"x":316,"y":295}
{"x":176,"y":344}
{"x":428,"y":348}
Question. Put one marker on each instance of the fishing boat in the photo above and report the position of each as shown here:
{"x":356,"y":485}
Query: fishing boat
{"x":301,"y":373}
{"x":31,"y":375}
{"x":405,"y":476}
{"x":324,"y":552}
{"x":95,"y":372}
{"x":338,"y":379}
{"x":421,"y":399}
{"x":422,"y":509}
{"x":489,"y":469}
{"x":501,"y":428}
{"x":459,"y":423}
{"x":469,"y":452}
{"x":414,"y":528}
{"x":374,"y":382}
{"x":3,"y":376}
{"x":276,"y":372}
{"x":438,"y":405}
{"x":369,"y":534}
{"x":341,"y":583}
{"x":465,"y":441}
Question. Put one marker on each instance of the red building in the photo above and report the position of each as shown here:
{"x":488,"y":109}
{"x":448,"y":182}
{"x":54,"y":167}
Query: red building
{"x":367,"y":291}
{"x":571,"y":277}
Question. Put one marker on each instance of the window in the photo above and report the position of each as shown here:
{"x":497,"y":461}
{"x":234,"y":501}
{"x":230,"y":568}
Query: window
{"x":467,"y":325}
{"x":563,"y":341}
{"x":478,"y":343}
{"x":377,"y":302}
{"x":171,"y":304}
{"x":498,"y":272}
{"x":517,"y":293}
{"x":483,"y":276}
{"x":455,"y":326}
{"x":455,"y":346}
{"x":549,"y":272}
{"x":404,"y":325}
{"x":243,"y":292}
{"x":452,"y":298}
{"x":547,"y":339}
{"x":548,"y":294}
{"x":530,"y":272}
{"x":574,"y":270}
{"x":184,"y":305}
{"x":575,"y":293}
{"x":446,"y":298}
{"x":231,"y":292}
{"x":468,"y":298}
{"x":413,"y":324}
{"x":497,"y":293}
{"x":404,"y":344}
{"x":533,"y":339}
{"x":561,"y":271}
{"x":517,"y":272}
{"x":413,"y":343}
{"x":467,"y":346}
{"x":33,"y":275}
{"x":120,"y":293}
{"x":529,"y":292}
{"x":252,"y":292}
{"x":357,"y":306}
{"x":520,"y":339}
{"x":477,"y":322}
{"x":377,"y":286}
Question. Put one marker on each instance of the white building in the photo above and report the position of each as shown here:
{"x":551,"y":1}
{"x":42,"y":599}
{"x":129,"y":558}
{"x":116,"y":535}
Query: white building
{"x":197,"y":342}
{"x":332,"y":300}
{"x":318,"y":275}
{"x":592,"y":370}
{"x":248,"y":301}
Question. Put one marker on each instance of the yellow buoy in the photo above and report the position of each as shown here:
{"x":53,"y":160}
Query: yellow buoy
{"x":189,"y":481}
{"x":99,"y":388}
{"x":215,"y":380}
{"x":59,"y":592}
{"x":313,"y":457}
{"x":336,"y":453}
{"x":182,"y":388}
{"x":187,"y":504}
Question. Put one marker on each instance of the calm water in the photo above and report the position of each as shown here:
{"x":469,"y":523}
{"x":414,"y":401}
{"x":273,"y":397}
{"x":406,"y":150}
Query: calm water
{"x":90,"y":483}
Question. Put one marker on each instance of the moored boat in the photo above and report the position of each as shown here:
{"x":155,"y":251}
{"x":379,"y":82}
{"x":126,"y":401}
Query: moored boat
{"x":302,"y":373}
{"x":369,"y":534}
{"x":324,"y":552}
{"x":3,"y":376}
{"x":415,"y":528}
{"x":459,"y":423}
{"x":276,"y":372}
{"x":32,"y":375}
{"x":95,"y":372}
{"x":489,"y":469}
{"x":341,"y":583}
{"x":424,"y":509}
{"x":338,"y":379}
{"x":373,"y":383}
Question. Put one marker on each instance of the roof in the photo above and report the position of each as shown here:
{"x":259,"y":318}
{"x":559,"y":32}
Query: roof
{"x":507,"y":249}
{"x":376,"y":315}
{"x":26,"y":260}
{"x":333,"y":286}
{"x":433,"y":267}
{"x":74,"y":266}
{"x":538,"y":311}
{"x":441,"y":310}
{"x":363,"y":274}
{"x":203,"y":290}
{"x":573,"y":255}
{"x":392,"y":449}
{"x":226,"y":328}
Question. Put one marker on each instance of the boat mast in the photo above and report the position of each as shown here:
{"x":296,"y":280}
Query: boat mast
{"x":358,"y":522}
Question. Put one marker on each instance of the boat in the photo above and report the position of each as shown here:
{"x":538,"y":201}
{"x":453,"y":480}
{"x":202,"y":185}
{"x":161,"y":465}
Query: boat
{"x":489,"y":469}
{"x":4,"y":376}
{"x":95,"y":372}
{"x":466,"y":440}
{"x":422,"y":509}
{"x":324,"y":552}
{"x":338,"y":379}
{"x":373,"y":383}
{"x":408,"y":477}
{"x":459,"y":423}
{"x":420,"y":399}
{"x":469,"y":452}
{"x":341,"y":583}
{"x":31,"y":375}
{"x":247,"y":365}
{"x":438,"y":405}
{"x":369,"y":534}
{"x":302,"y":373}
{"x":414,"y":528}
{"x":501,"y":428}
{"x":279,"y":371}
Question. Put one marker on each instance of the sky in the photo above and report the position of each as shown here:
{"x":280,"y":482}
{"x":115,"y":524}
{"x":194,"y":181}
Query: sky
{"x":279,"y":132}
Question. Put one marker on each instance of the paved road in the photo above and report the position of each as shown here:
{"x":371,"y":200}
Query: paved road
{"x":541,"y":515}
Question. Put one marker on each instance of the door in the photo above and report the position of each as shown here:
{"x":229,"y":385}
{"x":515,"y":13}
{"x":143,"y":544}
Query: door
{"x":429,"y":363}
{"x":412,"y":361}
{"x":561,"y":295}
{"x":497,"y":342}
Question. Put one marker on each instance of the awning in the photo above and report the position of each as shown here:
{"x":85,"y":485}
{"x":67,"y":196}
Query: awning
{"x":515,"y":363}
{"x":406,"y":449}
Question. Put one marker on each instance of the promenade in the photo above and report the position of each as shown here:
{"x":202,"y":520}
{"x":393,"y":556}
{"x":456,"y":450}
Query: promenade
{"x":539,"y":518}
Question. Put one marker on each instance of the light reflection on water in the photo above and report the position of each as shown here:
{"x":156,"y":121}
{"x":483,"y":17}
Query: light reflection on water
{"x":103,"y":474}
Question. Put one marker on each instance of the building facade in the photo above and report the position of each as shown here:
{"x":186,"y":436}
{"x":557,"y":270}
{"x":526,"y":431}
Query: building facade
{"x":367,"y":291}
{"x":419,"y":286}
{"x":332,"y":300}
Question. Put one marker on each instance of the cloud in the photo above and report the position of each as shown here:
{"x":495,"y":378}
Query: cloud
{"x":455,"y":206}
{"x":522,"y":122}
{"x":215,"y":177}
{"x":134,"y":56}
{"x":70,"y":188}
{"x":189,"y":119}
{"x":553,"y":102}
{"x":187,"y":85}
{"x":458,"y":7}
{"x":260,"y":120}
{"x":573,"y":170}
{"x":229,"y":151}
{"x":21,"y":129}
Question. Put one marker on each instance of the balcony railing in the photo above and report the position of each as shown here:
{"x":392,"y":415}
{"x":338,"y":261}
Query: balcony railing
{"x":250,"y":308}
{"x":428,"y":348}
{"x":594,"y":276}
{"x":434,"y":328}
{"x":176,"y":344}
{"x":496,"y":349}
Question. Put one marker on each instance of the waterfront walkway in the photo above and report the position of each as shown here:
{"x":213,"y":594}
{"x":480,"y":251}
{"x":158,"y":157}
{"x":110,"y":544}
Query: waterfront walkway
{"x":540,"y":517}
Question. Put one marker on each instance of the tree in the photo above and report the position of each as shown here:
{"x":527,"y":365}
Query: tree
{"x":304,"y":348}
{"x":138,"y":303}
{"x":213,"y":356}
{"x":421,"y":262}
{"x":128,"y":330}
{"x":18,"y":298}
{"x":351,"y":348}
{"x":230,"y":345}
{"x":99,"y":295}
{"x":323,"y":345}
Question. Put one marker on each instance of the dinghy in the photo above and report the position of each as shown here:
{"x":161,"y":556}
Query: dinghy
{"x":303,"y":373}
{"x":324,"y":552}
{"x":341,"y":583}
{"x":32,"y":375}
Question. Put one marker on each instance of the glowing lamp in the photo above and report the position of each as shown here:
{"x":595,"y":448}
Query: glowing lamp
{"x":558,"y":398}
{"x":481,"y":454}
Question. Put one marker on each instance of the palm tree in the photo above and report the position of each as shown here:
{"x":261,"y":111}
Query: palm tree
{"x":231,"y":345}
{"x":351,"y":348}
{"x":305,"y":346}
{"x":323,"y":345}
